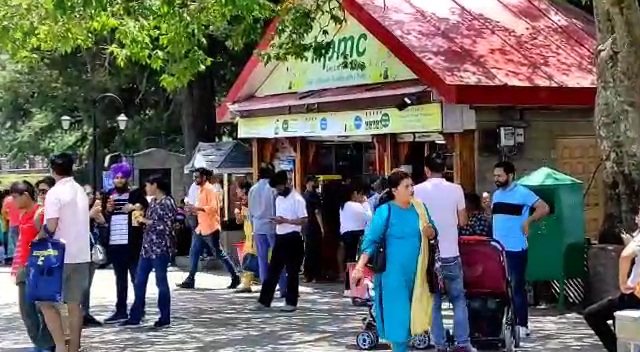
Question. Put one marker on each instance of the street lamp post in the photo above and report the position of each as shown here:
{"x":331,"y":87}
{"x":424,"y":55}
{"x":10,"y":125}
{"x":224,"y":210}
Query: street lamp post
{"x":121,"y":120}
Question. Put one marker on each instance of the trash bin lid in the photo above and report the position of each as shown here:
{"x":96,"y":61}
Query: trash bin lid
{"x":546,"y":176}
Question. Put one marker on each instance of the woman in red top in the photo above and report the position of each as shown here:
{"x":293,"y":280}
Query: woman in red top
{"x":31,"y":220}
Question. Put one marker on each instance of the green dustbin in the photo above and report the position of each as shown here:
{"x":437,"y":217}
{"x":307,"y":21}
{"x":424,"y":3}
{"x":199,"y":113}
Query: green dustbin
{"x":556,"y":243}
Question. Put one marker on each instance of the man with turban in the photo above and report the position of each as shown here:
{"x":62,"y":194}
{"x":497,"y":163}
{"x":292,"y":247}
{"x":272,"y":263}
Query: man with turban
{"x":123,"y":203}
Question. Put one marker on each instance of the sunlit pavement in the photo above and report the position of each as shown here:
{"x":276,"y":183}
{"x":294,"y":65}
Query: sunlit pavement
{"x":212,"y":318}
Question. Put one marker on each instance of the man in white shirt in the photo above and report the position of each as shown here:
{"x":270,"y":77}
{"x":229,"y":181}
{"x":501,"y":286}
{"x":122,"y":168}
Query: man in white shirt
{"x":288,"y":251}
{"x":66,"y":213}
{"x":446,"y":204}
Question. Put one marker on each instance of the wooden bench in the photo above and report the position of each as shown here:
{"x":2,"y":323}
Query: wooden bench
{"x":627,"y":324}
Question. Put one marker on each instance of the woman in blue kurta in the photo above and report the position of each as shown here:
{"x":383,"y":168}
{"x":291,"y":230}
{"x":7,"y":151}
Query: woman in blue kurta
{"x":395,"y":222}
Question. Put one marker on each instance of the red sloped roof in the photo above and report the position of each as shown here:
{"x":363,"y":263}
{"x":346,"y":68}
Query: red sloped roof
{"x":482,"y":52}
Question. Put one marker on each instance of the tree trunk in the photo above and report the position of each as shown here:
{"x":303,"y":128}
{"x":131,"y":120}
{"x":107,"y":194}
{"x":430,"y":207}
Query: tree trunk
{"x":198,"y":111}
{"x":617,"y":114}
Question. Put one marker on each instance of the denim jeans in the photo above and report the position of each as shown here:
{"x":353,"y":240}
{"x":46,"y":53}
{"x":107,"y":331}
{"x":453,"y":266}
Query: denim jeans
{"x":264,"y":243}
{"x":86,"y":298}
{"x":159,"y":265}
{"x":517,"y":271}
{"x":124,"y":267}
{"x":452,"y":277}
{"x":12,"y":241}
{"x":198,"y":243}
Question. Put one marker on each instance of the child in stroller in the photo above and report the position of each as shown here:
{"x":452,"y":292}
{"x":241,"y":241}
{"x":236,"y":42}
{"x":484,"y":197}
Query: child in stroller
{"x":362,"y":295}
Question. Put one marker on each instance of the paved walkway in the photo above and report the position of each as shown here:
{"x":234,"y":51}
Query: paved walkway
{"x":214,"y":319}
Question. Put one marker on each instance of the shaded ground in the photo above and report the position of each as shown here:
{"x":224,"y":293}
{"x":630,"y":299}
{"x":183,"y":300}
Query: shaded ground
{"x":214,"y":319}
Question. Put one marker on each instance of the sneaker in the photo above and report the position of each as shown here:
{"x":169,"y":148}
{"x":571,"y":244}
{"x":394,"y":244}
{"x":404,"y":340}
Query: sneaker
{"x":288,"y":308}
{"x":243,"y":289}
{"x":259,"y":307}
{"x":90,"y":322}
{"x":187,"y":284}
{"x":161,"y":324}
{"x":129,"y":322}
{"x":524,"y":331}
{"x":116,"y":318}
{"x":468,"y":348}
{"x":235,"y":282}
{"x":442,"y":349}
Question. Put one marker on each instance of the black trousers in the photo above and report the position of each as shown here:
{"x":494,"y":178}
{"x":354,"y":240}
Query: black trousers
{"x":351,"y":241}
{"x":287,"y":254}
{"x":124,"y":267}
{"x":312,"y":254}
{"x":598,"y":315}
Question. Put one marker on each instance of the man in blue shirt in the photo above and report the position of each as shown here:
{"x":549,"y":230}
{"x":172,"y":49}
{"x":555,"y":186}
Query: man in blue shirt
{"x":511,"y":209}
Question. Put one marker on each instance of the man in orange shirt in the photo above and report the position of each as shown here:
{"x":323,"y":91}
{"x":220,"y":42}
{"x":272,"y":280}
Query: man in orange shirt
{"x":207,"y":209}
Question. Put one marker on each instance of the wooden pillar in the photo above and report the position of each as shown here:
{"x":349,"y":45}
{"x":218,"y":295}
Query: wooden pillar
{"x":464,"y":158}
{"x":388,"y":155}
{"x":255,"y":158}
{"x":300,"y":170}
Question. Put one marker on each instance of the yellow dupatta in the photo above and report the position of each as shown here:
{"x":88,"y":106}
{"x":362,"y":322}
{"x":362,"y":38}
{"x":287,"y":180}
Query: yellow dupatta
{"x":422,"y":300}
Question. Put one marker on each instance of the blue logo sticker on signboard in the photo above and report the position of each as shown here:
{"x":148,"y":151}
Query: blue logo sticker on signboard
{"x":323,"y":124}
{"x":357,"y":122}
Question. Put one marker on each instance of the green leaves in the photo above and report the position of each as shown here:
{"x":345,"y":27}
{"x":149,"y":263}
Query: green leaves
{"x":169,"y":36}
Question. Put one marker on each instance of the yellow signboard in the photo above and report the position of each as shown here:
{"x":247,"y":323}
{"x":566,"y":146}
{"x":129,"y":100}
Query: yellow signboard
{"x":352,"y":42}
{"x":420,"y":118}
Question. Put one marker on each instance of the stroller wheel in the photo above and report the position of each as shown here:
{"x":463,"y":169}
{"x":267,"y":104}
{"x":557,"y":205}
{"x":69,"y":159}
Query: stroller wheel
{"x":366,"y":340}
{"x":421,"y":341}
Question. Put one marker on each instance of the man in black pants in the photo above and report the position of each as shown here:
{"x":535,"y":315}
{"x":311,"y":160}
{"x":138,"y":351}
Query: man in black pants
{"x":312,"y":231}
{"x":288,"y":252}
{"x":598,"y":315}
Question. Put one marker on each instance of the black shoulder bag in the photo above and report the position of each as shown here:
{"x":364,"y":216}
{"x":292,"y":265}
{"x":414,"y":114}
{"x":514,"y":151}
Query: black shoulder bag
{"x":378,"y":260}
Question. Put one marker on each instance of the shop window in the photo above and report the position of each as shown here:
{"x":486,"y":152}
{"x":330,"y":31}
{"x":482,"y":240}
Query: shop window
{"x":344,"y":158}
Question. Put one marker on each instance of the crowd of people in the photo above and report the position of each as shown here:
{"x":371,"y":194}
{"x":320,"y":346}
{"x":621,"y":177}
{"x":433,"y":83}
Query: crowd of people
{"x":134,"y":230}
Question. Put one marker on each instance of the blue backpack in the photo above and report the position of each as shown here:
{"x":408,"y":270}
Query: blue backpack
{"x":45,"y":267}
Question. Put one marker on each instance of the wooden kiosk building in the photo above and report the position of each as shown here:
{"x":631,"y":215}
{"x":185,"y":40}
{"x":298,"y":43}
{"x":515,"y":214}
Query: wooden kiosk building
{"x":431,"y":69}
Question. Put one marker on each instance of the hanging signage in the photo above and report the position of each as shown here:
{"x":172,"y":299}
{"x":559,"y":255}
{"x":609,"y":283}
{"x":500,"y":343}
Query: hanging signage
{"x":351,"y":42}
{"x":420,"y":118}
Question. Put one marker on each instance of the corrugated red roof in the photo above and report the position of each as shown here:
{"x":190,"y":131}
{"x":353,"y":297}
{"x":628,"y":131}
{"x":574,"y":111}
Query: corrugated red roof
{"x":492,"y":42}
{"x":480,"y":52}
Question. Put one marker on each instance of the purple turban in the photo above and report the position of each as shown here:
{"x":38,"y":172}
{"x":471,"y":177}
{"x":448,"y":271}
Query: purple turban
{"x":123,"y":169}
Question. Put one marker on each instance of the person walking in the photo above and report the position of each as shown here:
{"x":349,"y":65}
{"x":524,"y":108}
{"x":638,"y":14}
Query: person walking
{"x":511,"y":216}
{"x":12,"y":213}
{"x":355,"y":215}
{"x":396,"y":227}
{"x":262,"y":210}
{"x":446,"y":202}
{"x":288,"y":251}
{"x":312,"y":231}
{"x":157,"y":248}
{"x":97,"y":225}
{"x":66,"y":214}
{"x":125,"y":235}
{"x":31,"y":222}
{"x":208,"y":231}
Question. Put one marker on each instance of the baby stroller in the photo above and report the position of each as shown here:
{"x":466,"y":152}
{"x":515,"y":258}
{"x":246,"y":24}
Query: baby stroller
{"x":492,"y":319}
{"x":362,"y":296}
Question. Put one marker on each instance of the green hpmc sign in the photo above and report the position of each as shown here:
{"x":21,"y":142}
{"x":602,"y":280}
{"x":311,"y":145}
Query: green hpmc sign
{"x":348,"y":47}
{"x":349,"y":43}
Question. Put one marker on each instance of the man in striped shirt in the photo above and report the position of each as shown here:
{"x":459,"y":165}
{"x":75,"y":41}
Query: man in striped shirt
{"x":125,"y":237}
